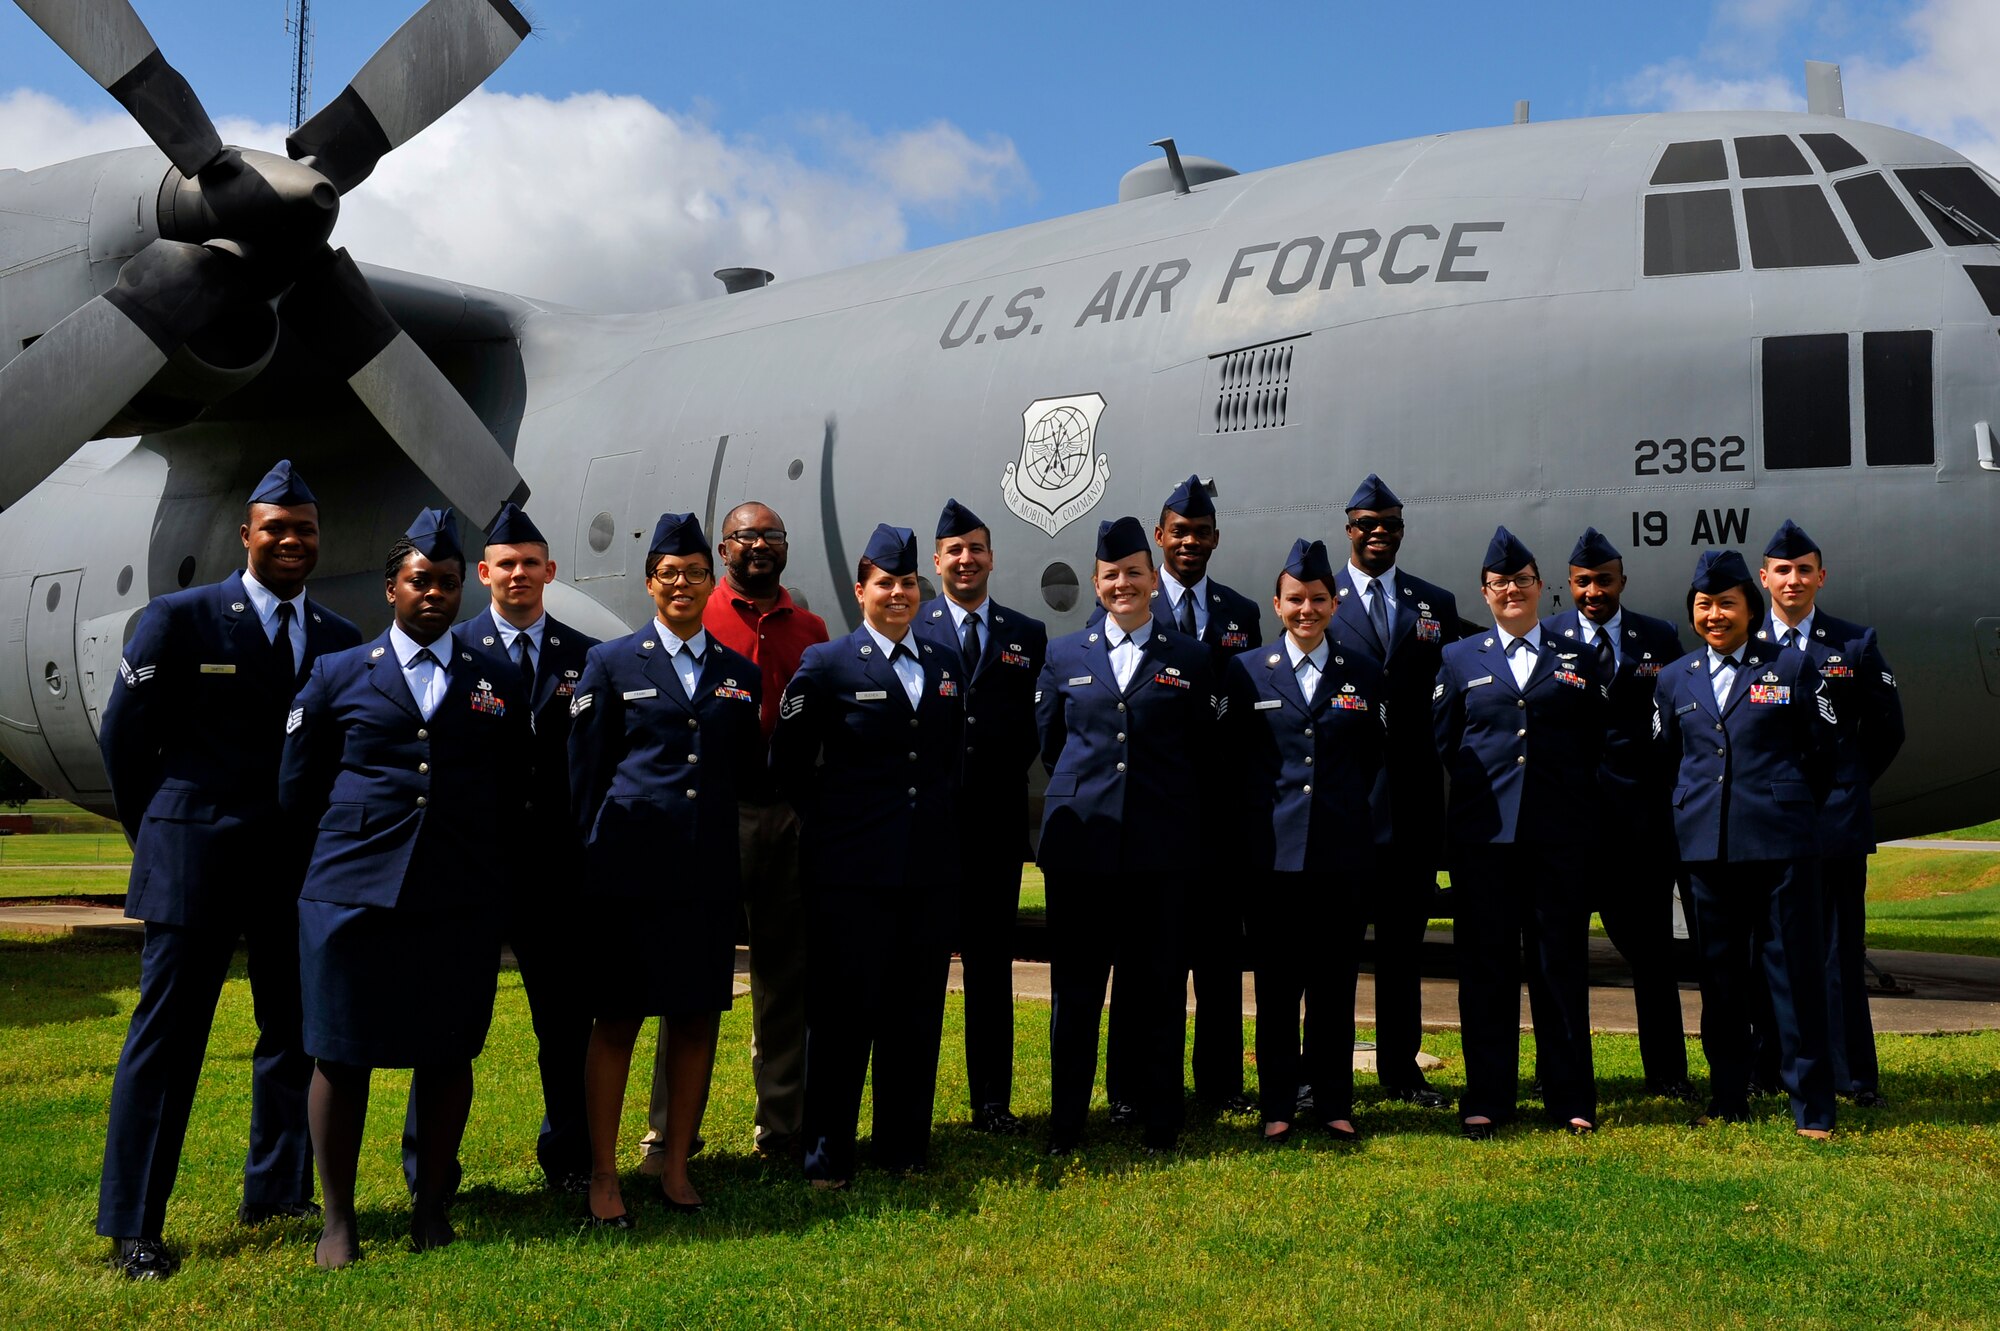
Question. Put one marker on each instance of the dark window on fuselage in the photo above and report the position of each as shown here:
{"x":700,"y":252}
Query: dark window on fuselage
{"x":1896,"y":391}
{"x":1960,"y":189}
{"x":1769,"y":155}
{"x":1691,"y":163}
{"x":1886,"y":227}
{"x":1694,"y":232}
{"x":1805,"y":402}
{"x":1834,"y":152}
{"x":1986,"y":279}
{"x":1793,"y":226}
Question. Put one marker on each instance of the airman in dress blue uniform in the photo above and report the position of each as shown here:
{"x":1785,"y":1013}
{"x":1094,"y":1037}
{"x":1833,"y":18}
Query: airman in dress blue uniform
{"x":405,"y":755}
{"x":1520,"y":718}
{"x":1628,"y":830}
{"x":191,"y":740}
{"x":1401,"y":623}
{"x":1751,"y":733}
{"x":869,"y":750}
{"x":1127,"y":716}
{"x":665,"y":738}
{"x":1863,"y":691}
{"x":1304,"y":738}
{"x":1002,"y":651}
{"x":540,"y":851}
{"x":1197,"y":606}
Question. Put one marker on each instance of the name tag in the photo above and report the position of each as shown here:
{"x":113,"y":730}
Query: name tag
{"x":1685,"y":708}
{"x":218,"y":670}
{"x":1079,"y":679}
{"x":637,"y":694}
{"x":1268,"y":705}
{"x":871,"y":695}
{"x":1483,"y":679}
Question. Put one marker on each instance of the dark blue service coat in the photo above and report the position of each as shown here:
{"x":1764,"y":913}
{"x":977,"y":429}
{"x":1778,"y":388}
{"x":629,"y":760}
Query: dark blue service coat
{"x":1129,"y":772}
{"x":656,"y":775}
{"x":1310,"y":775}
{"x":1522,"y":759}
{"x":1749,"y":776}
{"x":1862,"y":689}
{"x":1000,"y":735}
{"x":1632,"y":778}
{"x":558,"y":669}
{"x":403,"y":804}
{"x":191,"y":740}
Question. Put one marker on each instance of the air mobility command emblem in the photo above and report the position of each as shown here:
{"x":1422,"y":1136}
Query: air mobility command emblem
{"x":1057,"y":478}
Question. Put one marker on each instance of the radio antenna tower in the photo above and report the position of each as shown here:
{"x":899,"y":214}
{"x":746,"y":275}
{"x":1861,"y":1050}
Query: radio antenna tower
{"x":298,"y":22}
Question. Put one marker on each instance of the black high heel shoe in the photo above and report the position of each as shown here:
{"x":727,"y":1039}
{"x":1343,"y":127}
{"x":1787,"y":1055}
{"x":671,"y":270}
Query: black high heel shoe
{"x":623,"y":1220}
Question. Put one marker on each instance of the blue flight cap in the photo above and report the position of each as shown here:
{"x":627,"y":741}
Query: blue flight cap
{"x":1593,"y":550}
{"x":957,"y":520}
{"x":282,"y":486}
{"x":1190,"y":500}
{"x":678,"y":534}
{"x":1791,"y":542}
{"x":515,"y":527}
{"x":1505,"y":554}
{"x":435,"y":535}
{"x":892,"y":549}
{"x":1308,"y":562}
{"x":1374,"y":496}
{"x":1718,"y":571}
{"x":1120,"y":539}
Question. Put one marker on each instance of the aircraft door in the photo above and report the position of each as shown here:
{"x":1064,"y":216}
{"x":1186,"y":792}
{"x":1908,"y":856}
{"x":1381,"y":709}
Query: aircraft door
{"x":604,"y":519}
{"x":56,"y":685}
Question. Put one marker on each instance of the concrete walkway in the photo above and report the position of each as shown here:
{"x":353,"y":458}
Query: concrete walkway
{"x":1922,"y":844}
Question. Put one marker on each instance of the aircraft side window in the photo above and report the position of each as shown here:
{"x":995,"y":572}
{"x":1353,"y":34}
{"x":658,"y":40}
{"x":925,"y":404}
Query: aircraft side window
{"x":1896,"y":387}
{"x":1834,"y":152}
{"x":1885,"y":226}
{"x":1793,"y":226}
{"x":1760,"y":155}
{"x":1690,"y":232}
{"x":1806,"y":402}
{"x":1986,"y":280}
{"x":1959,"y":190}
{"x":1691,"y":163}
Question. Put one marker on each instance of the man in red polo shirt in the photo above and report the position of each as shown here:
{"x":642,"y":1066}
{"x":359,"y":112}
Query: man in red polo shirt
{"x":752,"y":613}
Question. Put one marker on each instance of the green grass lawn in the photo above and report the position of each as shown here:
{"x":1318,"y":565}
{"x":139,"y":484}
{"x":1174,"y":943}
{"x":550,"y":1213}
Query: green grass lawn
{"x":1983,"y":832}
{"x":1650,"y":1224}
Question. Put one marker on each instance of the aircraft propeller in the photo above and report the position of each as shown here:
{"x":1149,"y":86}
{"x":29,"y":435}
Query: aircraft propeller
{"x":240,"y":227}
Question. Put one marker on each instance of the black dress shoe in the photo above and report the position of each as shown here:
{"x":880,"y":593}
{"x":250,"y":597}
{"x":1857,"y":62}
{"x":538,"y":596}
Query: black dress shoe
{"x":1063,"y":1146}
{"x":1240,"y":1103}
{"x":1682,"y":1090}
{"x":996,"y":1120}
{"x":1282,"y":1137}
{"x":681,"y":1208}
{"x":1870,"y":1100}
{"x":1123,"y":1114}
{"x":1346,"y":1136}
{"x":1478,"y":1132}
{"x":1717,"y":1112}
{"x":1423,"y":1097}
{"x":1162,"y":1152}
{"x":142,"y":1259}
{"x":257,"y":1213}
{"x":570,"y":1185}
{"x":623,"y":1220}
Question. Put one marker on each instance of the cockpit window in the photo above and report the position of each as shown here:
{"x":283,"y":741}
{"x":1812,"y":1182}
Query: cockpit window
{"x":1834,"y":152}
{"x":1886,"y":227}
{"x":1690,"y":232}
{"x":1896,"y":387}
{"x":1793,"y":226}
{"x":1960,"y":205}
{"x":1806,"y":402}
{"x":1691,"y":163}
{"x":1769,"y":155}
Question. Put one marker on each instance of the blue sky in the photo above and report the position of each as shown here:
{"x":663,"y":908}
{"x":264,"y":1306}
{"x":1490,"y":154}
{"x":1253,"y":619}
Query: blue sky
{"x":823,"y":134}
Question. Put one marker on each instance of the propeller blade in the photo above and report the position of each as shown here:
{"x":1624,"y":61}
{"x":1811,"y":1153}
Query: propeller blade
{"x":113,"y":46}
{"x":434,"y":61}
{"x":334,"y":308}
{"x":63,"y":388}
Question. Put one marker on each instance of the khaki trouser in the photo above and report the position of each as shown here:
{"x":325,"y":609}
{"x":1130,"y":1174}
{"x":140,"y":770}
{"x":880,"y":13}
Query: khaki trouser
{"x":775,"y":912}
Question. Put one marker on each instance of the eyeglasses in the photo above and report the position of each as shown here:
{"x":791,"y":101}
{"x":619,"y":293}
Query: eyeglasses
{"x":1365,"y":525}
{"x":751,"y":535}
{"x":693,"y":577}
{"x":1519,"y":582}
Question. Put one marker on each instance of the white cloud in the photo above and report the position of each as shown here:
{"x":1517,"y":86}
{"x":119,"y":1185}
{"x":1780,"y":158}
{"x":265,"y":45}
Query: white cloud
{"x":600,"y":201}
{"x":1944,"y":89}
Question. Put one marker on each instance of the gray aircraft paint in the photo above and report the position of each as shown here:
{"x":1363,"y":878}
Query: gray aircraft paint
{"x":1463,"y":313}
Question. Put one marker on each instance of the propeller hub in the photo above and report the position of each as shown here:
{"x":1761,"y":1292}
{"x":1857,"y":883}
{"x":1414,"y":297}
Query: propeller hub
{"x":276,"y":210}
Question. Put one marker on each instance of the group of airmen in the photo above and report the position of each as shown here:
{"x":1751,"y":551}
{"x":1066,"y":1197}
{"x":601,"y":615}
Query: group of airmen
{"x":375,"y":819}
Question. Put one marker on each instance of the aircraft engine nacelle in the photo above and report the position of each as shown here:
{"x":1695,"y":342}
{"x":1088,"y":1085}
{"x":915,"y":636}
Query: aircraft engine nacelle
{"x":207,"y":369}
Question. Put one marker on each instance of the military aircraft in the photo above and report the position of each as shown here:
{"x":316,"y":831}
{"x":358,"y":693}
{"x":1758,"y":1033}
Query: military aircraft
{"x":1679,"y":328}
